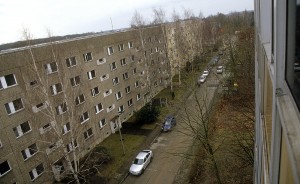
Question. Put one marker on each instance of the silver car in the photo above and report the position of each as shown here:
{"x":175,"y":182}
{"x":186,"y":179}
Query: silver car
{"x":220,"y":69}
{"x":141,"y":161}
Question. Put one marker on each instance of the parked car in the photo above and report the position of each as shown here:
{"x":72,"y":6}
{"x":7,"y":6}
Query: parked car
{"x":220,"y":69}
{"x":201,"y":79}
{"x":140,"y":162}
{"x":168,"y":124}
{"x":205,"y":73}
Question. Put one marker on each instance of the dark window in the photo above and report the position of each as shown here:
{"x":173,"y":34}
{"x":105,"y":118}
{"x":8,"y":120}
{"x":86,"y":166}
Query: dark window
{"x":7,"y":81}
{"x":75,"y":81}
{"x":4,"y":168}
{"x":87,"y":56}
{"x":71,"y":62}
{"x":293,"y":50}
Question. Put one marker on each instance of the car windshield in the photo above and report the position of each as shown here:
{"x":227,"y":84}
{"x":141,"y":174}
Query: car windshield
{"x":202,"y":77}
{"x":220,"y":67}
{"x":138,"y":161}
{"x":168,"y":121}
{"x":205,"y":72}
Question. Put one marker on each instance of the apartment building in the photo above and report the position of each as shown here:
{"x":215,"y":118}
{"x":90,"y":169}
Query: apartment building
{"x":65,"y":97}
{"x":277,"y":77}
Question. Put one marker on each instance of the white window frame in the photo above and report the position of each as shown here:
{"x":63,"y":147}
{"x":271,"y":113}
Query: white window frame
{"x":118,"y":95}
{"x":47,"y":127}
{"x":75,"y":81}
{"x":27,"y":152}
{"x":113,"y":64}
{"x":156,"y":49}
{"x":59,"y":109}
{"x":102,"y":123}
{"x":20,"y":131}
{"x":93,"y":91}
{"x":115,"y":81}
{"x":110,"y":108}
{"x":121,"y":108}
{"x":86,"y":57}
{"x":138,"y":97}
{"x":7,"y":170}
{"x":136,"y":84}
{"x":72,"y":146}
{"x":107,"y":93}
{"x":4,"y":82}
{"x":110,"y":50}
{"x":1,"y":145}
{"x":12,"y":107}
{"x":104,"y":77}
{"x":66,"y":128}
{"x":121,"y":47}
{"x":54,"y":89}
{"x":97,"y":108}
{"x":70,"y":61}
{"x":127,"y":89}
{"x":123,"y":61}
{"x":130,"y":44}
{"x":87,"y":134}
{"x":101,"y":61}
{"x":90,"y":74}
{"x":130,"y":102}
{"x":35,"y":172}
{"x":84,"y":119}
{"x":49,"y":69}
{"x":134,"y":71}
{"x":125,"y":76}
{"x":78,"y":99}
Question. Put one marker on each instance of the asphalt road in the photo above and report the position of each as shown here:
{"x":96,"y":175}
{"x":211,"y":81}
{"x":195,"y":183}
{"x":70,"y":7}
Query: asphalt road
{"x":169,"y":147}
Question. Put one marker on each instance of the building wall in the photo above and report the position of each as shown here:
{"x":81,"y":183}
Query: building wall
{"x":277,"y":154}
{"x":144,"y":75}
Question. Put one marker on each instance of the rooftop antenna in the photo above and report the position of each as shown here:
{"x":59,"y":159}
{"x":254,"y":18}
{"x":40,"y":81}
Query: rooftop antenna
{"x":112,"y":27}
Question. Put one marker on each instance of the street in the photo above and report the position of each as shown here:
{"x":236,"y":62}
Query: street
{"x":169,"y":147}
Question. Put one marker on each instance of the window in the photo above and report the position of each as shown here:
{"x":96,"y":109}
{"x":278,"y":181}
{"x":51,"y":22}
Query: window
{"x":7,"y":81}
{"x":104,"y":77}
{"x":71,"y":146}
{"x":102,"y":122}
{"x":62,"y":108}
{"x":80,"y":99}
{"x":127,"y":89}
{"x":138,"y":96}
{"x":87,"y":134}
{"x":14,"y":106}
{"x":71,"y":61}
{"x":91,"y":74}
{"x":115,"y":80}
{"x":113,"y":66}
{"x":59,"y":166}
{"x":110,"y":108}
{"x":40,"y":107}
{"x":121,"y":108}
{"x":84,"y":117}
{"x":87,"y":57}
{"x":51,"y":67}
{"x":29,"y":152}
{"x":145,"y":53}
{"x":123,"y":62}
{"x":136,"y":84}
{"x":118,"y":95}
{"x":107,"y":93}
{"x":46,"y":127}
{"x":134,"y":71}
{"x":129,"y":102}
{"x":55,"y":89}
{"x":125,"y":75}
{"x":53,"y":146}
{"x":66,"y":128}
{"x":110,"y":50}
{"x":32,"y":83}
{"x":155,"y":83}
{"x":1,"y":145}
{"x":132,"y":57}
{"x":75,"y":81}
{"x":121,"y":47}
{"x":130,"y":45}
{"x":101,"y":61}
{"x":36,"y":172}
{"x":149,"y":39}
{"x":95,"y":91}
{"x":4,"y":168}
{"x":98,"y":108}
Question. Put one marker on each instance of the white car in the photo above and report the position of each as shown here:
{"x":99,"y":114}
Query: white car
{"x":220,"y":69}
{"x":201,"y":79}
{"x":205,"y":73}
{"x":141,"y":161}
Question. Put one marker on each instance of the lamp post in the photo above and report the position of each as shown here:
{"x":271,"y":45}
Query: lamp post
{"x":121,"y":138}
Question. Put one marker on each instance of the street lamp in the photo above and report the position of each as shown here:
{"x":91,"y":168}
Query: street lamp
{"x":119,"y":126}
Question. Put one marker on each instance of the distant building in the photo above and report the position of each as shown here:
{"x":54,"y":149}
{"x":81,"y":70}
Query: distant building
{"x":277,"y":77}
{"x":79,"y":85}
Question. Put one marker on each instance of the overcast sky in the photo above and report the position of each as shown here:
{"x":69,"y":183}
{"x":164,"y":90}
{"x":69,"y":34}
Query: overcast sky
{"x":78,"y":16}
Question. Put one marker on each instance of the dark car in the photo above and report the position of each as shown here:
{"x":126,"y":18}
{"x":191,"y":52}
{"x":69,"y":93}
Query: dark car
{"x":168,"y":124}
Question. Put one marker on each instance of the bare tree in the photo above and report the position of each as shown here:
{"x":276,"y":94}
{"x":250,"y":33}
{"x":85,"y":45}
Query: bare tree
{"x":137,"y":20}
{"x":159,"y":16}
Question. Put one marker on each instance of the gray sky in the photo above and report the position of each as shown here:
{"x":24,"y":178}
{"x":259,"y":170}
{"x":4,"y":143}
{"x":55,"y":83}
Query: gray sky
{"x":78,"y":16}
